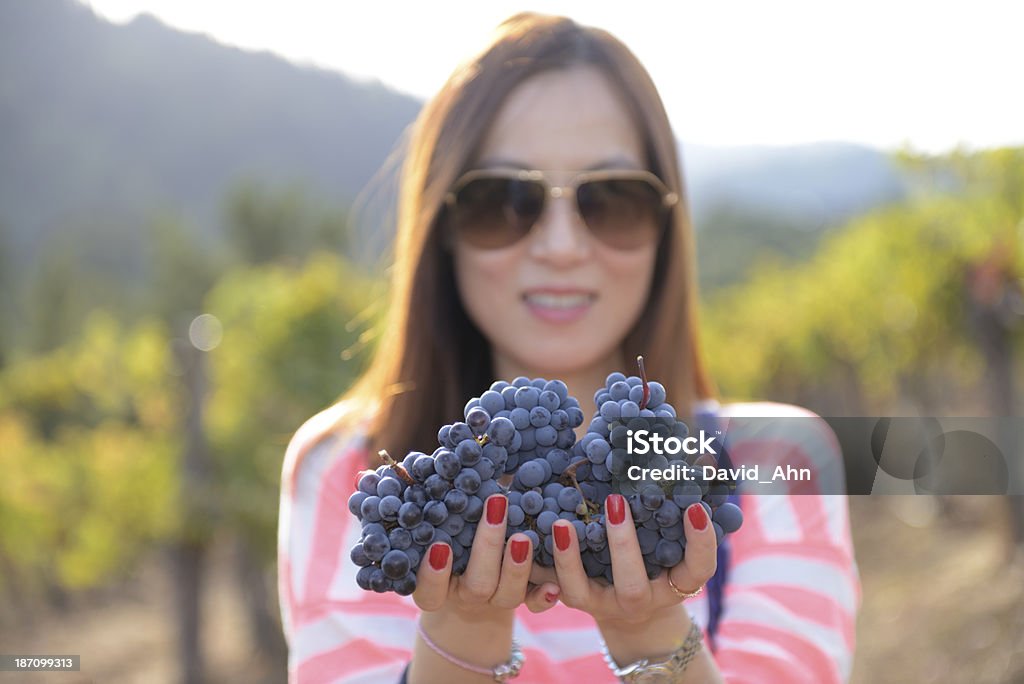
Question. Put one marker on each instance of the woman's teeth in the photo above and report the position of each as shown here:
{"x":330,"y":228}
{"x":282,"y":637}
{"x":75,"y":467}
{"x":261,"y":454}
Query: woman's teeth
{"x":559,"y":301}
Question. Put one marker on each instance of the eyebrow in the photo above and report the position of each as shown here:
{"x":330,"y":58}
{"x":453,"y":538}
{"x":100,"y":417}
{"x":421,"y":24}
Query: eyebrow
{"x":614,"y":162}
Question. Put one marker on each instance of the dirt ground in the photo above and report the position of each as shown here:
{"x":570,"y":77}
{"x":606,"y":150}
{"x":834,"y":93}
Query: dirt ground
{"x":943,"y":602}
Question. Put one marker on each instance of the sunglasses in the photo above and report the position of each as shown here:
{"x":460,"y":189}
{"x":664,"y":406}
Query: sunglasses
{"x":495,"y":208}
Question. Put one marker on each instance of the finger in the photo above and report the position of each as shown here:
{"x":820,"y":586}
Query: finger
{"x":701,"y":559}
{"x":515,"y":572}
{"x":433,"y":577}
{"x":632,"y":586}
{"x":478,"y":583}
{"x":572,"y":578}
{"x":542,"y":597}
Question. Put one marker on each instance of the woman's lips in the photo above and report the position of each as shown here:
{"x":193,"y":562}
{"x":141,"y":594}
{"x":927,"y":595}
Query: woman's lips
{"x":559,"y":306}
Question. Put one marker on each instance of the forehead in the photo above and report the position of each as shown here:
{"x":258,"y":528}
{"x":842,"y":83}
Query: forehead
{"x":566,"y":119}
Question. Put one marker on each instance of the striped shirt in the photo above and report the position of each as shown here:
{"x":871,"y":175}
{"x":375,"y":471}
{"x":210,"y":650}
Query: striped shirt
{"x":788,"y":610}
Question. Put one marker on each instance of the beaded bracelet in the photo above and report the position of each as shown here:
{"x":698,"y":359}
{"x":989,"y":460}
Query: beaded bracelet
{"x":501,"y":673}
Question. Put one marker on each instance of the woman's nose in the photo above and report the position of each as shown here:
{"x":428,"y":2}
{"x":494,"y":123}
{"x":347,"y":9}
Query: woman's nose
{"x":560,"y":236}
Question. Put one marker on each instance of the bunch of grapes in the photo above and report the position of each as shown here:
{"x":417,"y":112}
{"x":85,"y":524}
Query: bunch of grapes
{"x":405,"y":507}
{"x":575,"y":489}
{"x":526,"y":429}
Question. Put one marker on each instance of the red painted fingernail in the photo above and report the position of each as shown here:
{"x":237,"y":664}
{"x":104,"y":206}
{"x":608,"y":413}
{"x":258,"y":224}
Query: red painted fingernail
{"x":562,"y":537}
{"x":615,"y":506}
{"x":551,"y":596}
{"x":520,"y":547}
{"x":496,"y":509}
{"x":698,"y":517}
{"x":439,"y":556}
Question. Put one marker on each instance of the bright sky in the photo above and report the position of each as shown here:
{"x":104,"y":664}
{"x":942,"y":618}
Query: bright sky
{"x":931,"y":74}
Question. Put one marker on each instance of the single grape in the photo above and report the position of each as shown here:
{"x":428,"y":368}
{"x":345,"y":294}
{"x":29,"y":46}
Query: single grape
{"x":375,"y":546}
{"x":474,"y":509}
{"x":468,"y":481}
{"x":369,"y":509}
{"x":359,"y":556}
{"x":651,"y":497}
{"x":435,"y":512}
{"x":368,"y":483}
{"x":410,"y":515}
{"x":456,"y":501}
{"x":478,"y":420}
{"x":531,"y":474}
{"x":447,"y":464}
{"x":532,"y":503}
{"x":406,"y":585}
{"x":400,"y":538}
{"x":395,"y":564}
{"x":729,"y":516}
{"x":355,"y":502}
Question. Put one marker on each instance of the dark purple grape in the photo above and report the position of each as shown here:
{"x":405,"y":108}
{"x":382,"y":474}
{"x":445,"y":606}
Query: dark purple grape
{"x":456,"y":501}
{"x":492,"y":402}
{"x":545,"y":520}
{"x":501,"y":431}
{"x":364,"y":575}
{"x":400,"y":538}
{"x":436,"y":487}
{"x":459,"y":432}
{"x":531,"y":474}
{"x":434,"y":512}
{"x":395,"y":564}
{"x":422,"y":534}
{"x":468,"y":481}
{"x":368,"y":483}
{"x":729,"y":516}
{"x":415,"y":494}
{"x":668,"y":553}
{"x":474,"y":509}
{"x":389,"y":486}
{"x":358,"y":556}
{"x":669,"y":514}
{"x":375,"y":546}
{"x":389,"y":507}
{"x":532,"y":503}
{"x":369,"y":509}
{"x":406,"y":585}
{"x":354,"y":503}
{"x":410,"y":515}
{"x":423,"y":467}
{"x":478,"y":419}
{"x":651,"y":497}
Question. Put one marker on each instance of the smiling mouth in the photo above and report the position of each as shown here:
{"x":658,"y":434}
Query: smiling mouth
{"x":560,"y":301}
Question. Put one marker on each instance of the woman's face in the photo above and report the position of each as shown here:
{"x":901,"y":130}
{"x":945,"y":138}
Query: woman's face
{"x":558,"y":301}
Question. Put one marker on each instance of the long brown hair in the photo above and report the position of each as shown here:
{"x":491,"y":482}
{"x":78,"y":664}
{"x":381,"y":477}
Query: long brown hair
{"x":431,"y":357}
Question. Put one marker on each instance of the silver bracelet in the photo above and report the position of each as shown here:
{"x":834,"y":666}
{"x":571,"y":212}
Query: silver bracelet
{"x":644,"y":671}
{"x":501,"y":673}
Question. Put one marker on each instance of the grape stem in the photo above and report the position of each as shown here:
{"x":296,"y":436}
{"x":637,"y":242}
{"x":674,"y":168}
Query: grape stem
{"x":396,"y":466}
{"x":643,"y":377}
{"x":569,"y":478}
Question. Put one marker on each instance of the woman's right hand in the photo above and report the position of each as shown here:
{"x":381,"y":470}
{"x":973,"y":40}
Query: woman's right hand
{"x":497,"y":578}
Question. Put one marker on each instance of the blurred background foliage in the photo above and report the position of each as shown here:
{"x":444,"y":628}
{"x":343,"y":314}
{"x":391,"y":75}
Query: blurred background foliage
{"x":176,"y":302}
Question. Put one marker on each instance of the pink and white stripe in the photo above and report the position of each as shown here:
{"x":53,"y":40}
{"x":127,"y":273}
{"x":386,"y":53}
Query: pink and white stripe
{"x":789,"y":606}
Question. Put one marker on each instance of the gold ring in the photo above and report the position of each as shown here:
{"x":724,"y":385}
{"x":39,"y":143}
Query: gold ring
{"x":682,"y":594}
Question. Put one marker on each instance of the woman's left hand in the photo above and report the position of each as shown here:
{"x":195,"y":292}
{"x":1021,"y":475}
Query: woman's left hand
{"x":633,"y":599}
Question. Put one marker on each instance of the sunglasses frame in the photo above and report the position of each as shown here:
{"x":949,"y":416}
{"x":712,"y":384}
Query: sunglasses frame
{"x":669,"y":199}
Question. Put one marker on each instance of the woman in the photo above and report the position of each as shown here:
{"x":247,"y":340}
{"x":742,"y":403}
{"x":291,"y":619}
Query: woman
{"x":543,"y":232}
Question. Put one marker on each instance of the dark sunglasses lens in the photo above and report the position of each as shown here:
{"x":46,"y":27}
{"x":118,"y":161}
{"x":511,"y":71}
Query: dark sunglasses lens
{"x":623,"y":213}
{"x":497,"y":212}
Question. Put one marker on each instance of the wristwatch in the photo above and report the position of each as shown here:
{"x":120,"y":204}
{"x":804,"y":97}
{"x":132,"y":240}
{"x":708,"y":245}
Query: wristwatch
{"x":645,"y":671}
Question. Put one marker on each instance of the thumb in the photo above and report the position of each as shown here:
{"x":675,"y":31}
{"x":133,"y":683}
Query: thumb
{"x":542,"y":597}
